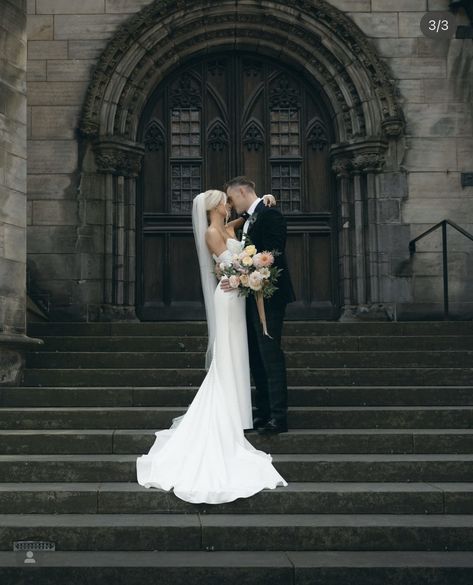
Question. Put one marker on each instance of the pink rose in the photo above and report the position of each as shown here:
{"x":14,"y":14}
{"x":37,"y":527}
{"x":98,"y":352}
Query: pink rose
{"x":234,"y":281}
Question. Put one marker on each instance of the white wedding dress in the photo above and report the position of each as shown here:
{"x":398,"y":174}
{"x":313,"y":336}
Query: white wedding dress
{"x":204,"y":455}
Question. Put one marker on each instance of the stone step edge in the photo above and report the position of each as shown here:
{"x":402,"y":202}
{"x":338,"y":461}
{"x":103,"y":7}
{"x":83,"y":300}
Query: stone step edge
{"x":161,"y":520}
{"x":296,"y":486}
{"x":289,"y":433}
{"x":361,"y":408}
{"x":343,"y":352}
{"x":301,"y":369}
{"x":194,"y":387}
{"x":236,"y":559}
{"x":276,"y":457}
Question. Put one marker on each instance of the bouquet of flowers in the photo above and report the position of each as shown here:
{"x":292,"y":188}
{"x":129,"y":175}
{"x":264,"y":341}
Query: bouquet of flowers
{"x":251,"y":272}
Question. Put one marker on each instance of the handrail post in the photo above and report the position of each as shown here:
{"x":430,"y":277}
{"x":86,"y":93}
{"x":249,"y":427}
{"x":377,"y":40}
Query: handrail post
{"x":445,"y":270}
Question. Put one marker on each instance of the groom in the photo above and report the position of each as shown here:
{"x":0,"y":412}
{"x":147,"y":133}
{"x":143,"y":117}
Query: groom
{"x":266,"y":228}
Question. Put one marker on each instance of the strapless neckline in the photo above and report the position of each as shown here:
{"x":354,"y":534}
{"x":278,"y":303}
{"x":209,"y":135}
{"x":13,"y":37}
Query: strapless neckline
{"x":227,"y":248}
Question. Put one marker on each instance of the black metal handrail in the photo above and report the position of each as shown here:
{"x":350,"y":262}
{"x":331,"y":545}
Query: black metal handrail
{"x":412,"y":249}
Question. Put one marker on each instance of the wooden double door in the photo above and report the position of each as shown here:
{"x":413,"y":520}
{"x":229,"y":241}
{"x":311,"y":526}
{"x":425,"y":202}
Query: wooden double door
{"x":214,"y":118}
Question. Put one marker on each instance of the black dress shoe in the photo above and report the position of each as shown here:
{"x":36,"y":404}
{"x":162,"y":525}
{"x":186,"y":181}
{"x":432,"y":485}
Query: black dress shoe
{"x":258,"y":423}
{"x":272,"y":427}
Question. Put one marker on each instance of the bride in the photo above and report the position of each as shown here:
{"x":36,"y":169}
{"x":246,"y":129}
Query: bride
{"x":204,"y":454}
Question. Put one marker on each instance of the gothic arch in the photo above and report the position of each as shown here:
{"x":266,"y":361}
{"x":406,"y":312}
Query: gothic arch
{"x":311,"y":34}
{"x":314,"y":38}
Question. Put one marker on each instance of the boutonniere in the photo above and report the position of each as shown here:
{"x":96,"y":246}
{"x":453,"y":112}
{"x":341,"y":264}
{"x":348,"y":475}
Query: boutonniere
{"x":252,"y":219}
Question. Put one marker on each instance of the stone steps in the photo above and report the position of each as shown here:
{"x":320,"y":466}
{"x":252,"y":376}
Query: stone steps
{"x":131,"y":441}
{"x":311,"y":328}
{"x":303,"y":417}
{"x":289,"y":342}
{"x":332,"y":467}
{"x":379,"y":460}
{"x":84,"y":396}
{"x":235,"y":568}
{"x":242,"y":532}
{"x":294,"y":359}
{"x":308,"y":376}
{"x":296,"y":498}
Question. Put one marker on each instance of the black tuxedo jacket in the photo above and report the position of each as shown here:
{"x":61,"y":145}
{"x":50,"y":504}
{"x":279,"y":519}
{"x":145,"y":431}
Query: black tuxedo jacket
{"x":267,"y":231}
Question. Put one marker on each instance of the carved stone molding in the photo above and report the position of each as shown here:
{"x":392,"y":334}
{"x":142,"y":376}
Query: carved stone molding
{"x":118,"y":156}
{"x":368,"y":162}
{"x":305,"y":29}
{"x":341,"y":167}
{"x":362,"y":156}
{"x":393,"y":126}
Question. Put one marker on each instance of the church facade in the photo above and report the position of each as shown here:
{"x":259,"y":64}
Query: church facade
{"x":118,"y":112}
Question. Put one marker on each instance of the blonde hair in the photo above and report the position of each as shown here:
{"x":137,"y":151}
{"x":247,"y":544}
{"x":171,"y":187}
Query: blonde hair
{"x":213,"y":198}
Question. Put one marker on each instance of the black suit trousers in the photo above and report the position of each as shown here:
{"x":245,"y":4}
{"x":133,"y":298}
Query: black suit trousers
{"x":267,"y":360}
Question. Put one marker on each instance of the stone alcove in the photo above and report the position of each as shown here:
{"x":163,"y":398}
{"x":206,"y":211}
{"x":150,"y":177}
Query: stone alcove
{"x":309,"y":35}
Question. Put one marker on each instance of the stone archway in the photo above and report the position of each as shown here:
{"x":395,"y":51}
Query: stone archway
{"x":310,"y":35}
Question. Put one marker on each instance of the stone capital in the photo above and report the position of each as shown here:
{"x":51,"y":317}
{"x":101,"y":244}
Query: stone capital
{"x":118,"y":156}
{"x":363,"y":156}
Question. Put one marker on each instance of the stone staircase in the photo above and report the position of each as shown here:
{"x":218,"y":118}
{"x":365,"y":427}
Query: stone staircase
{"x":379,"y":460}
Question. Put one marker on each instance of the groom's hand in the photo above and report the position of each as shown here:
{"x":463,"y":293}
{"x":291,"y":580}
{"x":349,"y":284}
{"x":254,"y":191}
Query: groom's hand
{"x":225,"y":285}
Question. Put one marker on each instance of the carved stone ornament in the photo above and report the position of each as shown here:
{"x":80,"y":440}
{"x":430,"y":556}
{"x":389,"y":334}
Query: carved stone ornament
{"x":154,"y":136}
{"x":393,"y":126}
{"x":306,"y":29}
{"x":253,"y":136}
{"x":361,"y":156}
{"x":217,"y":138}
{"x":341,"y":167}
{"x":372,"y":162}
{"x":317,"y":136}
{"x":118,"y":157}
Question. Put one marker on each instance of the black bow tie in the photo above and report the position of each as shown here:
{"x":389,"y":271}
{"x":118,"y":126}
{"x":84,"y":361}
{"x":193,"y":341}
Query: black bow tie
{"x":245,"y":215}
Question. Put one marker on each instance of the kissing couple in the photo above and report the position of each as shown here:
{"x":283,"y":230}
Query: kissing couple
{"x":204,"y":455}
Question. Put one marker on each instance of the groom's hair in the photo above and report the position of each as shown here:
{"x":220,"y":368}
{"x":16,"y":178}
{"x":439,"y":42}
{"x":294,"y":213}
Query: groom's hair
{"x":241,"y":181}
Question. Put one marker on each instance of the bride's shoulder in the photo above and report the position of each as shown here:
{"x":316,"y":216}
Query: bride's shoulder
{"x":213,"y":233}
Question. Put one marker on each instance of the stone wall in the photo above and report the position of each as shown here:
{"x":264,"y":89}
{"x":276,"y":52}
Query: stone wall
{"x":435,"y":78}
{"x":12,"y":188}
{"x":65,"y":38}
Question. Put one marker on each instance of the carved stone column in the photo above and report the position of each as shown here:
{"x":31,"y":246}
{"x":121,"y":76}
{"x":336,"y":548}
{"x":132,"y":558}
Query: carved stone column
{"x":357,"y":165}
{"x":120,"y":160}
{"x":342,"y":167}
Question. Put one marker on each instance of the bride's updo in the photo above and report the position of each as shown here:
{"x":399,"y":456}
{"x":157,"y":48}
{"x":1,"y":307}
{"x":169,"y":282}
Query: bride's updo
{"x":213,"y":198}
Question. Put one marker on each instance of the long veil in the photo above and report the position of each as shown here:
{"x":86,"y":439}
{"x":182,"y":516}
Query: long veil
{"x":206,"y":263}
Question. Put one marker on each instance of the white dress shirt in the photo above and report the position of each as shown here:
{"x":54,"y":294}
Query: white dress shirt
{"x":250,"y":211}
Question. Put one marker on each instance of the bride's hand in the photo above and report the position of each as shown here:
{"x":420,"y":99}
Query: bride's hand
{"x":269,"y":200}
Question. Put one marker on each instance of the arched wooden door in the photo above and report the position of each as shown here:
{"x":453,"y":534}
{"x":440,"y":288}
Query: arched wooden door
{"x":212,"y":119}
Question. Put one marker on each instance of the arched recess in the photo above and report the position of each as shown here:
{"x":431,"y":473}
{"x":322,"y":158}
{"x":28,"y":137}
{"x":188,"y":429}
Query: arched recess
{"x":310,"y":36}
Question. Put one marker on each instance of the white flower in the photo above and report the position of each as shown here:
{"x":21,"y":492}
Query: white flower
{"x":265,"y":273}
{"x":255,"y":279}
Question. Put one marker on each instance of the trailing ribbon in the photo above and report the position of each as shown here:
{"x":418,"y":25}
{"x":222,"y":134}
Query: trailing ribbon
{"x":261,"y":312}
